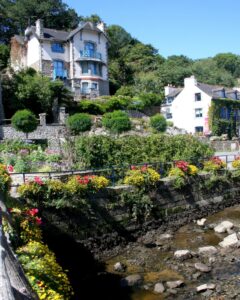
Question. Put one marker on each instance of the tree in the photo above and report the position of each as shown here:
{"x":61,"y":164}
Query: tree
{"x":93,"y":18}
{"x":159,"y":123}
{"x":16,"y":15}
{"x":79,"y":123}
{"x":29,"y":90}
{"x":25,"y":121}
{"x":228,"y":61}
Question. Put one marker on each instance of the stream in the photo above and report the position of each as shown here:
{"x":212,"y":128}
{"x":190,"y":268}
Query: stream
{"x":151,"y":258}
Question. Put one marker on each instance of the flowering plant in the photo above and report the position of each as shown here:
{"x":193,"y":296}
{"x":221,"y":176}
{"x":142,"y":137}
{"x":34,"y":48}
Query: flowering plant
{"x":5,"y":179}
{"x":214,"y":164}
{"x":183,"y":168}
{"x":139,"y":176}
{"x":236,"y":163}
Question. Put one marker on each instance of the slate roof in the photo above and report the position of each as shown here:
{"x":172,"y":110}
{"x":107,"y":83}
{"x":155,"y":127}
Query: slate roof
{"x":175,"y":92}
{"x":213,"y":90}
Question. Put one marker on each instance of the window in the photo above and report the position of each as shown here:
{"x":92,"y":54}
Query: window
{"x":94,"y":68}
{"x":58,"y":69}
{"x":85,"y":89}
{"x":198,"y":97}
{"x":94,"y":86}
{"x":57,"y":47}
{"x":198,"y":113}
{"x":168,"y":116}
{"x":199,"y":129}
{"x":90,"y":48}
{"x":169,"y":100}
{"x":223,"y":113}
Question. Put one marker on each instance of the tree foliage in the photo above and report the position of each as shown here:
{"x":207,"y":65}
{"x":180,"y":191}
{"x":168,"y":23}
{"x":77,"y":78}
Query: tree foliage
{"x":30,"y":90}
{"x":117,"y":121}
{"x":24,"y":120}
{"x":159,"y":123}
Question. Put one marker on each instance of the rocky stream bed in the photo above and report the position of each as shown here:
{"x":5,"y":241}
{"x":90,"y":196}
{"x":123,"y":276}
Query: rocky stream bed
{"x":200,"y":260}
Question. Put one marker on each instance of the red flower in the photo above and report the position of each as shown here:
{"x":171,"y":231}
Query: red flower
{"x":182,"y":165}
{"x":133,"y":168}
{"x":10,"y":210}
{"x":38,"y":220}
{"x":32,"y":212}
{"x":10,"y":168}
{"x":38,"y":180}
{"x":144,"y":169}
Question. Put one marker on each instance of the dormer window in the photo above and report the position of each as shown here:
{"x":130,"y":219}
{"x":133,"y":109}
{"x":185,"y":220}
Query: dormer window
{"x":57,"y":47}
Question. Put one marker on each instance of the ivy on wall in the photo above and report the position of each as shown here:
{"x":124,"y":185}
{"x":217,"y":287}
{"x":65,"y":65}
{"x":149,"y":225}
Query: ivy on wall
{"x":223,"y":117}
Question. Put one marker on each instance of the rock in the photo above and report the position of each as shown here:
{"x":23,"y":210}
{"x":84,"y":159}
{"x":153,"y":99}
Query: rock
{"x":212,"y":260}
{"x":223,"y":227}
{"x":230,"y":241}
{"x":196,"y":275}
{"x":119,"y":267}
{"x":172,"y":291}
{"x":207,"y":250}
{"x":206,"y":286}
{"x":163,"y":238}
{"x":174,"y":284}
{"x":182,"y":254}
{"x":159,"y":288}
{"x":202,"y":267}
{"x":201,"y":222}
{"x":131,"y":280}
{"x":207,"y":294}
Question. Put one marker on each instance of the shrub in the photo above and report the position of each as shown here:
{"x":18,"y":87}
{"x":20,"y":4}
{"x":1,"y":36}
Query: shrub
{"x":91,"y":107}
{"x":78,"y":123}
{"x":24,"y":120}
{"x":43,"y":272}
{"x":170,"y":124}
{"x":214,"y":164}
{"x":236,"y":163}
{"x":22,"y":166}
{"x":159,"y":123}
{"x":141,"y":176}
{"x":117,"y":121}
{"x":5,"y":179}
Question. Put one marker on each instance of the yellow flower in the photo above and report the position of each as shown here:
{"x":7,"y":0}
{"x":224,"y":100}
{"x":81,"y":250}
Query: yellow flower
{"x":192,"y":170}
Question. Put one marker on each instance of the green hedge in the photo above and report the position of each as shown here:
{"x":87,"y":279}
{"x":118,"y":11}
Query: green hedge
{"x":117,"y":121}
{"x":99,"y":151}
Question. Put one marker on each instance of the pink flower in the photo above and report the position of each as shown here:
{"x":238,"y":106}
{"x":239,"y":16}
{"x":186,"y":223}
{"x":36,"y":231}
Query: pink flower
{"x":10,"y":169}
{"x":133,"y":168}
{"x":38,"y":180}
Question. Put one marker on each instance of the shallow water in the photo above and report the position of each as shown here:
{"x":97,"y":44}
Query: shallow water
{"x":153,"y":263}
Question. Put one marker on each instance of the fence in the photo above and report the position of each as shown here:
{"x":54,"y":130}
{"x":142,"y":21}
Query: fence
{"x":113,"y":173}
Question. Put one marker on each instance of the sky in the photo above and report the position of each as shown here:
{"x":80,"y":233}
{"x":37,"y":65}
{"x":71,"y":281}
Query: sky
{"x":195,"y":28}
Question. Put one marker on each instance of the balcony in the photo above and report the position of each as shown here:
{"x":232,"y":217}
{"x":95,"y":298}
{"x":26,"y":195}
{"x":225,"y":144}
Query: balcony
{"x":59,"y":73}
{"x":89,"y":55}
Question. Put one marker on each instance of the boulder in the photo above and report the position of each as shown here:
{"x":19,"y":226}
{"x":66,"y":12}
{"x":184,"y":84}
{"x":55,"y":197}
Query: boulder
{"x":159,"y":288}
{"x":163,"y":238}
{"x":207,"y":250}
{"x":223,"y":227}
{"x":202,"y":267}
{"x":119,"y":267}
{"x":131,"y":280}
{"x":230,"y":241}
{"x":174,"y":284}
{"x":201,"y":222}
{"x":206,"y":286}
{"x":182,"y":254}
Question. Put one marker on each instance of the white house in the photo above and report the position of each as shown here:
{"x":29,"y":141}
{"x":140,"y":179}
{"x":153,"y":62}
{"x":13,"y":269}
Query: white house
{"x":188,"y":107}
{"x":79,"y":57}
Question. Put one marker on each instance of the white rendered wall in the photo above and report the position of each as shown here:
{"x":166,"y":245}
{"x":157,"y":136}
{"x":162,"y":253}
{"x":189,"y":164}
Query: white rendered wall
{"x":183,"y":109}
{"x":48,"y":54}
{"x":33,"y":52}
{"x":101,"y":47}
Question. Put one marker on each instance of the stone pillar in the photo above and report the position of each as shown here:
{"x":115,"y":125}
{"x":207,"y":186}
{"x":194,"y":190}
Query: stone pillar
{"x":62,"y":116}
{"x":42,"y":118}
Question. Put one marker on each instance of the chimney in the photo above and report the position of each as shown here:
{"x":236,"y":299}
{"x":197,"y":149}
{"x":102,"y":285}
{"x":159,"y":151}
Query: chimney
{"x":39,"y":28}
{"x":190,"y":81}
{"x":102,"y":26}
{"x":168,"y":89}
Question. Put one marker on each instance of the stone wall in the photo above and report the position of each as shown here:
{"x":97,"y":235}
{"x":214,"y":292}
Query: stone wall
{"x":53,"y":133}
{"x":112,"y":223}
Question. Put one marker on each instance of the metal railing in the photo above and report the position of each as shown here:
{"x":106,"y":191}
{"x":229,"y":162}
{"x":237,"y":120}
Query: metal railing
{"x":90,"y":54}
{"x":113,"y":173}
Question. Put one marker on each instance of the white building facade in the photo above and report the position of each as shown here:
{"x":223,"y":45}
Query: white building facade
{"x":188,"y":107}
{"x":79,"y":57}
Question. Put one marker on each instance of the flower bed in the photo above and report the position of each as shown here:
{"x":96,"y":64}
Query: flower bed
{"x":5,"y":179}
{"x":140,"y":176}
{"x":214,"y":164}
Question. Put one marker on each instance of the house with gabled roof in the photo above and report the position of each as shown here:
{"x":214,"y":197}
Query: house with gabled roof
{"x":78,"y":57}
{"x":188,"y":107}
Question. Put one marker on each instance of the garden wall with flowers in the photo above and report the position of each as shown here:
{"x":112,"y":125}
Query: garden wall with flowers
{"x":89,"y":207}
